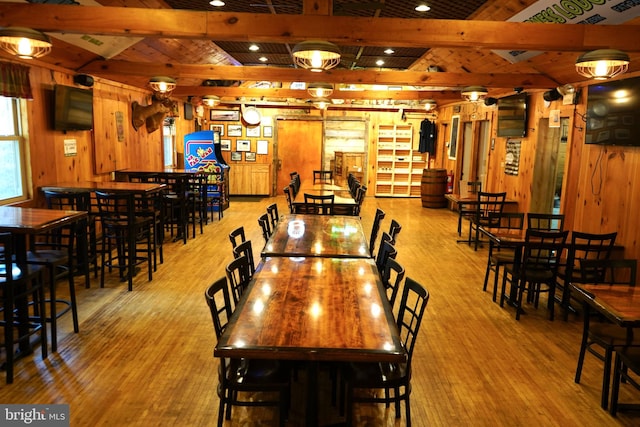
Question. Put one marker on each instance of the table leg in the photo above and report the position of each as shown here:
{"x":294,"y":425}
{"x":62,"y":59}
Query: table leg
{"x":312,"y":394}
{"x":22,"y":304}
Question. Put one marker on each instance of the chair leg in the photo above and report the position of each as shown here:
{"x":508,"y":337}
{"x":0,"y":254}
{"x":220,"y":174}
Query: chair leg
{"x":606,"y":377}
{"x":617,"y":373}
{"x":583,"y":346}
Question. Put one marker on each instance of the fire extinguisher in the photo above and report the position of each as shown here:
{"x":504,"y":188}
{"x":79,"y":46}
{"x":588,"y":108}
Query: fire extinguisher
{"x":450,"y":182}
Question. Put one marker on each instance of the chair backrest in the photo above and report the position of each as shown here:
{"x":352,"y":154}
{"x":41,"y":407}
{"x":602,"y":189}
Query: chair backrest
{"x":392,"y":276}
{"x":609,"y":271}
{"x":545,"y":221}
{"x":238,"y":274}
{"x":588,"y":246}
{"x":324,"y":176}
{"x":319,"y":204}
{"x":115,"y":208}
{"x":489,"y":203}
{"x":386,"y":251}
{"x":272,"y":210}
{"x":246,"y":249}
{"x":6,"y":262}
{"x":375,"y":228}
{"x":68,"y":200}
{"x":394,"y":229}
{"x":265,"y":225}
{"x":542,"y":251}
{"x":507,"y":220}
{"x":219,"y":302}
{"x":287,"y":194}
{"x":412,"y":305}
{"x":235,"y":235}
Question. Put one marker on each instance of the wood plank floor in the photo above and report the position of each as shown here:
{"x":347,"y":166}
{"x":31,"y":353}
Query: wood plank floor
{"x":144,"y":358}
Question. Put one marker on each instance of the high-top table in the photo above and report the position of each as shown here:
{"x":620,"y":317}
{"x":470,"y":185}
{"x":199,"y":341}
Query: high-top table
{"x":22,"y":223}
{"x":335,"y":236}
{"x":107,"y":186}
{"x":313,"y":309}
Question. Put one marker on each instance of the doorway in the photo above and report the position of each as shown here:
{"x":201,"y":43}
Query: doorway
{"x":548,"y":172}
{"x":298,"y":148}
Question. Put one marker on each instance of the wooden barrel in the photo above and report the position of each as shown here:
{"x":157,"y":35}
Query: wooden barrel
{"x":433,"y":188}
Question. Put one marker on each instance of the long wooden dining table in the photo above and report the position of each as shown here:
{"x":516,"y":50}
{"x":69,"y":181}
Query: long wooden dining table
{"x":336,"y":236}
{"x":22,"y":223}
{"x":313,"y":309}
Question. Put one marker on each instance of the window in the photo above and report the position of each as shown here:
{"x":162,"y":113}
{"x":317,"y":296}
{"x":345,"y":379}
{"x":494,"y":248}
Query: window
{"x":12,"y":152}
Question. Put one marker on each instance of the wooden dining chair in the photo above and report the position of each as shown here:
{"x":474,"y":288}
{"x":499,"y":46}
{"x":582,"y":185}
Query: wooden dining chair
{"x":323,"y":176}
{"x":375,"y":228}
{"x":246,"y":249}
{"x":386,"y":251}
{"x":392,"y":276}
{"x":545,"y":221}
{"x":582,"y":246}
{"x":265,"y":226}
{"x":487,"y":203}
{"x":627,"y":361}
{"x":602,"y":338}
{"x":319,"y":204}
{"x":498,"y":257}
{"x":237,"y":236}
{"x":272,"y":210}
{"x":16,"y":286}
{"x":394,"y":229}
{"x":239,"y":275}
{"x":391,"y":377}
{"x":538,"y":267}
{"x":470,"y":189}
{"x":238,"y":376}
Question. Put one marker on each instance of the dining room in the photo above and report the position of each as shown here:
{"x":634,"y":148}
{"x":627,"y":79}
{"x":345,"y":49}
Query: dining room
{"x":473,"y":364}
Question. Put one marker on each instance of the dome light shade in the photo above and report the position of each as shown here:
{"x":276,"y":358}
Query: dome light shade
{"x":320,"y":90}
{"x":24,"y":43}
{"x":474,"y":93}
{"x":162,"y":85}
{"x":602,"y":64}
{"x":429,"y":104}
{"x":316,"y":55}
{"x":322,"y":103}
{"x":211,"y":100}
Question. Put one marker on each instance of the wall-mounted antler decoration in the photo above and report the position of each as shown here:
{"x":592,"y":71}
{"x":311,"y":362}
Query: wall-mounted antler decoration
{"x":151,"y":115}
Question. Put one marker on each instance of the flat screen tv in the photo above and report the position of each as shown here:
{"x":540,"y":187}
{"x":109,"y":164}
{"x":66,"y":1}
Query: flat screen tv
{"x":613,"y":113}
{"x":72,"y":109}
{"x":512,"y":115}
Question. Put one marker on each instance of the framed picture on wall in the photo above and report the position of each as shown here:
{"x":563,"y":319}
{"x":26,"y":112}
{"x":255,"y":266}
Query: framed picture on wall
{"x":234,"y":130}
{"x":267,"y":131}
{"x":217,"y":128}
{"x":235,"y":156}
{"x":453,"y":137}
{"x":243,"y":145}
{"x":262,"y":146}
{"x":216,"y":115}
{"x":225,"y":144}
{"x":250,"y":157}
{"x":253,"y":131}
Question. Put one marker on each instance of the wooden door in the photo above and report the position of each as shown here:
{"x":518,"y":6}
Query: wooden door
{"x":299,"y":148}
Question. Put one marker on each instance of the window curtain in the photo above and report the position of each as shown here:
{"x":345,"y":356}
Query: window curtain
{"x":14,"y":81}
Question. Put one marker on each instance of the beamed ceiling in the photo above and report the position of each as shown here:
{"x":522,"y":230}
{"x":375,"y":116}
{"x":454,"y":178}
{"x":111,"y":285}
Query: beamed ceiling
{"x":206,"y":49}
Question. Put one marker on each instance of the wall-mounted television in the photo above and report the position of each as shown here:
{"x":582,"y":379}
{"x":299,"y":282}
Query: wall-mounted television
{"x":512,"y":115}
{"x":72,"y":108}
{"x":613,"y":113}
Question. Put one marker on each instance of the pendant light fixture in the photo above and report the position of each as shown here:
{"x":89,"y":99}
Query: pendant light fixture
{"x":602,"y":64}
{"x":474,"y":93}
{"x":316,"y":55}
{"x":24,"y":43}
{"x":210,"y":100}
{"x":320,"y":90}
{"x":322,"y":103}
{"x":162,"y":85}
{"x":429,"y":104}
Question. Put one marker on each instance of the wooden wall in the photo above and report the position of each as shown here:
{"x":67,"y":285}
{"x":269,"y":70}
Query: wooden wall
{"x":99,"y":152}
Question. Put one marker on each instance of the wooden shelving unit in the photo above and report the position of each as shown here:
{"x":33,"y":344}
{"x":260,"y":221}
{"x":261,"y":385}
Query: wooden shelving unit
{"x":398,"y":166}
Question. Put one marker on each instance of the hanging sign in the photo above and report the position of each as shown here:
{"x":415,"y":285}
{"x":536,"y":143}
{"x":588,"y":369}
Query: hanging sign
{"x":609,"y":12}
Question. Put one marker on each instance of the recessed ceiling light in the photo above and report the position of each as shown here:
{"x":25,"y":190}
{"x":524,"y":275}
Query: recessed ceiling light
{"x":379,"y":62}
{"x":422,"y":8}
{"x":263,"y":59}
{"x":254,"y":47}
{"x":389,"y":51}
{"x":216,"y":3}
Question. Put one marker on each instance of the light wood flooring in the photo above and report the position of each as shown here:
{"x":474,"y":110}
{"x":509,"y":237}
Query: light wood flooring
{"x":144,"y":358}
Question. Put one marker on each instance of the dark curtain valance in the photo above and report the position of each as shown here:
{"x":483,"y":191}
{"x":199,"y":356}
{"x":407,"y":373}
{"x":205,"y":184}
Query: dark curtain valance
{"x":14,"y":81}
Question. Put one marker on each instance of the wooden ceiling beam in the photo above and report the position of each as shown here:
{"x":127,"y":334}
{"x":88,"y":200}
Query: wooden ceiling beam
{"x":263,"y":94}
{"x":356,"y":31}
{"x":367,"y":76}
